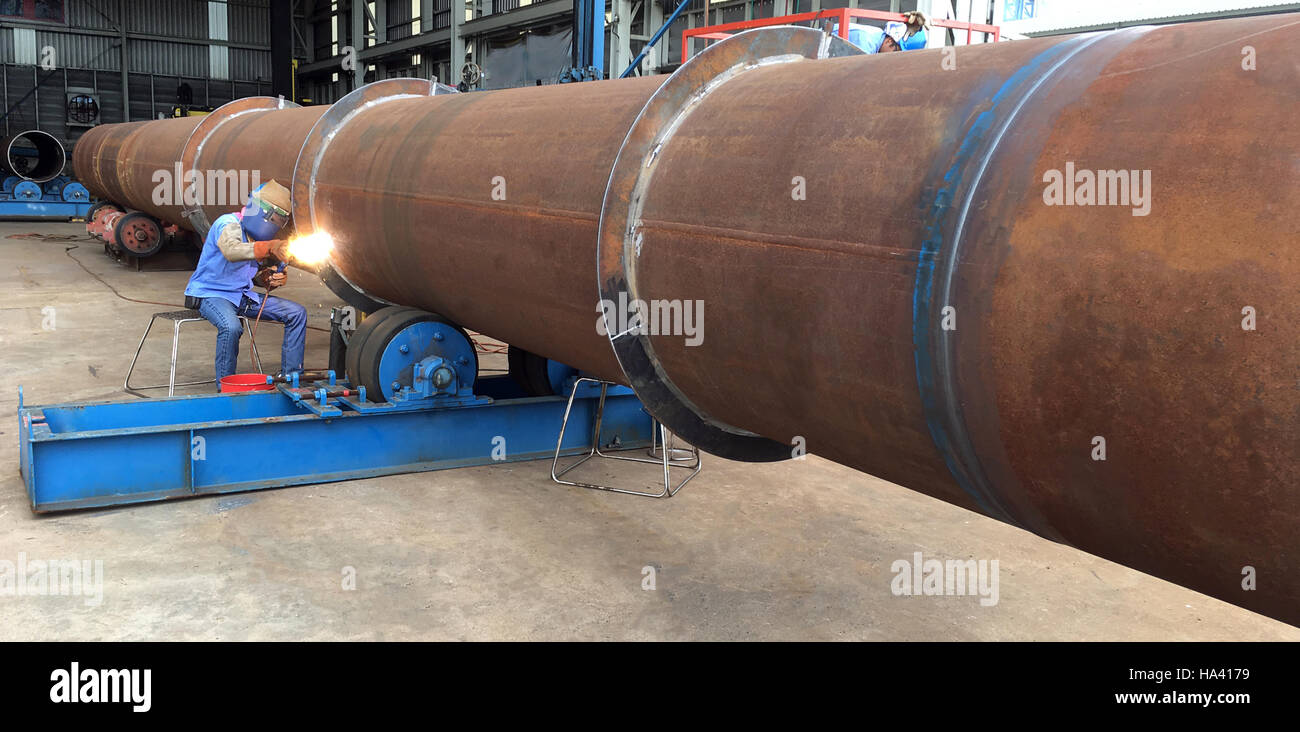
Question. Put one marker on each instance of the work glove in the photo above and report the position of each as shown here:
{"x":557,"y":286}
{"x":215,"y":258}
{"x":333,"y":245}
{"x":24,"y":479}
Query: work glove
{"x":279,"y":248}
{"x":915,"y":21}
{"x":270,"y":278}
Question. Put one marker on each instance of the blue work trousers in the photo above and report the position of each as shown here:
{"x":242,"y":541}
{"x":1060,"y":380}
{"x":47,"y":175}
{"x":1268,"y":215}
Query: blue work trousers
{"x":224,"y":315}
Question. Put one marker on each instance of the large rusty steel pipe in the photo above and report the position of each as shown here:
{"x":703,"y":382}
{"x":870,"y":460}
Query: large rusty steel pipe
{"x":480,"y":207}
{"x":96,"y":156}
{"x":886,"y":276}
{"x":125,"y":163}
{"x":186,"y":171}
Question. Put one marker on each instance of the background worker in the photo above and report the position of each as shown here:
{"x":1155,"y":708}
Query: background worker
{"x":240,"y":251}
{"x":907,"y":35}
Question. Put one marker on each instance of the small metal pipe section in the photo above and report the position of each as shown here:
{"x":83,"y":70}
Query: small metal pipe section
{"x":1050,"y":283}
{"x":33,"y":155}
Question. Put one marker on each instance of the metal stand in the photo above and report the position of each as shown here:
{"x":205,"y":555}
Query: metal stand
{"x":178,"y":318}
{"x":690,"y":457}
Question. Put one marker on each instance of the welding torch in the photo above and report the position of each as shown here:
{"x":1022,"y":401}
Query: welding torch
{"x":252,"y":335}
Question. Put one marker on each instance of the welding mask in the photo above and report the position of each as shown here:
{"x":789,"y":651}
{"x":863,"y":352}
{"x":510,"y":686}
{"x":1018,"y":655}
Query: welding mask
{"x":267,"y":211}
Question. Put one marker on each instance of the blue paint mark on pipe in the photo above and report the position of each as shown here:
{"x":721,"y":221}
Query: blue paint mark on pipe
{"x":972,"y":145}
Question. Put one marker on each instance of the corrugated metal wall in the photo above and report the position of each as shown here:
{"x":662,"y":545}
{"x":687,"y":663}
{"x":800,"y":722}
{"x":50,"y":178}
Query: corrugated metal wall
{"x":92,"y":15}
{"x":168,"y":46}
{"x":51,"y":98}
{"x":248,"y":65}
{"x":178,"y":42}
{"x":248,"y":23}
{"x":164,"y":57}
{"x":174,"y":18}
{"x":81,"y":52}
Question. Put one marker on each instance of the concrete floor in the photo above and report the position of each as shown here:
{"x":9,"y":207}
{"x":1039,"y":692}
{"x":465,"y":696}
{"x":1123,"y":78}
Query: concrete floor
{"x":797,"y":550}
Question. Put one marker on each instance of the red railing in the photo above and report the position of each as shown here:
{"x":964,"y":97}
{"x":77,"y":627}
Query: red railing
{"x":841,"y":15}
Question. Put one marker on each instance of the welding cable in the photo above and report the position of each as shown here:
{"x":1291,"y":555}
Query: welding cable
{"x":68,"y":251}
{"x":482,"y":347}
{"x":252,"y":334}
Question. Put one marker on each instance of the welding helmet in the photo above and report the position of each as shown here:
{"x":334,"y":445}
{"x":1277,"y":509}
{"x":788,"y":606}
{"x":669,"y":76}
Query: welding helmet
{"x":267,"y":211}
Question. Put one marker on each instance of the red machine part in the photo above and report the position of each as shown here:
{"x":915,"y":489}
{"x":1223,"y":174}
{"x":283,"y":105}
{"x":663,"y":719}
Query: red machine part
{"x":138,"y":233}
{"x":96,"y":220}
{"x":134,"y":232}
{"x":107,"y":224}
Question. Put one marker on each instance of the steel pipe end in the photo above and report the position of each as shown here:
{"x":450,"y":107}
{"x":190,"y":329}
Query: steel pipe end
{"x":193,"y":150}
{"x":34,"y":155}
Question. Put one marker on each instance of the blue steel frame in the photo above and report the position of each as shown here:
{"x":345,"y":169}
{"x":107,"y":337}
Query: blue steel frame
{"x":83,"y":455}
{"x":60,"y":198}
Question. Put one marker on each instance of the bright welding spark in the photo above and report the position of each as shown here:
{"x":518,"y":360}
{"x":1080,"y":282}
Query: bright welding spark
{"x":311,"y":249}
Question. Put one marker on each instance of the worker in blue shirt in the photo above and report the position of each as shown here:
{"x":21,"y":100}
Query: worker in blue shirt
{"x":906,"y":35}
{"x":240,"y":251}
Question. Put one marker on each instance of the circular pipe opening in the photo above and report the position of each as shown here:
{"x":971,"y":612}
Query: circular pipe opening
{"x":34,"y":155}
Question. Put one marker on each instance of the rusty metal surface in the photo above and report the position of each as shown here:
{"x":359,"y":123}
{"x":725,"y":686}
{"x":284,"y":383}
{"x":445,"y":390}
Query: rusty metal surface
{"x":406,"y":189}
{"x":312,"y":151}
{"x":1130,"y":327}
{"x":923,"y":190}
{"x":151,"y":149}
{"x":119,"y":163}
{"x":824,"y":315}
{"x":95,"y":158}
{"x":625,"y":225}
{"x":266,"y":142}
{"x":216,"y":202}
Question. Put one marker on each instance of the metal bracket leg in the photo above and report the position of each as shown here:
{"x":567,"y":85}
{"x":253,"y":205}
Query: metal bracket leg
{"x":690,"y":462}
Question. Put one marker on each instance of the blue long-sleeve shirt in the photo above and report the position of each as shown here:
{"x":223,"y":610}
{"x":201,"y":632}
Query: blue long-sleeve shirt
{"x":218,"y":276}
{"x":869,"y":37}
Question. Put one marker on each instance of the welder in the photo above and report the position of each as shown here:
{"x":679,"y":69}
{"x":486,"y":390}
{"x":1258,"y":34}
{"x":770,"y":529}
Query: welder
{"x":242,"y":250}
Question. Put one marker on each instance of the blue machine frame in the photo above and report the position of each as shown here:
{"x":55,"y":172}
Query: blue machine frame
{"x":83,"y":455}
{"x":60,"y":198}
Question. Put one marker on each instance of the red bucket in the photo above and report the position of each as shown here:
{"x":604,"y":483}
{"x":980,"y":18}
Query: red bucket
{"x":245,"y":382}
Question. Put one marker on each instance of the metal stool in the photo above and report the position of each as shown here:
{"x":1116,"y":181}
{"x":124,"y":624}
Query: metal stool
{"x":690,"y":459}
{"x":178,"y":318}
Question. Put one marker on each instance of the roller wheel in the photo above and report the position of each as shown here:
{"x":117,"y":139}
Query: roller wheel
{"x":370,"y":359}
{"x":360,"y":336}
{"x":96,"y":206}
{"x":27,"y":191}
{"x":139,"y":234}
{"x":529,"y":371}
